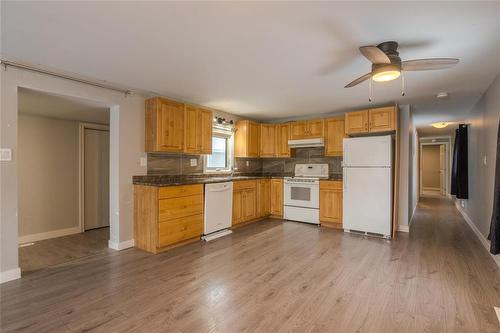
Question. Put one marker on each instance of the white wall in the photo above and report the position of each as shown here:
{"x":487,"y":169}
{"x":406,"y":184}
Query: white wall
{"x":126,"y":141}
{"x":482,"y":134}
{"x":48,"y":165}
{"x":404,"y":166}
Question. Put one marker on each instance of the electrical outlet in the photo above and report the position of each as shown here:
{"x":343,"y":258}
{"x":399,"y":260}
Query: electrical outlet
{"x":194,"y":162}
{"x":5,"y":154}
{"x":484,"y":160}
{"x":247,"y":163}
{"x":143,"y":161}
{"x":462,"y":203}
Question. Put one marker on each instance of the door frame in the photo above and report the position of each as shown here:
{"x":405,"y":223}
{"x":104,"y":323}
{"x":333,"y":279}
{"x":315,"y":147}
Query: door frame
{"x":447,"y":163}
{"x":81,"y":167}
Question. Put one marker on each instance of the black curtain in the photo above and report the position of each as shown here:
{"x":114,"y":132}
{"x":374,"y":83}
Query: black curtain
{"x":494,"y":235}
{"x":459,"y":169}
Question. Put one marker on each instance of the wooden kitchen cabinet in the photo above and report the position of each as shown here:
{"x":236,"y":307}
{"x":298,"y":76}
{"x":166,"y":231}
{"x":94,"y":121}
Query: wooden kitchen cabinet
{"x":334,"y":136}
{"x":267,"y":140}
{"x":164,"y":125}
{"x":306,"y":129}
{"x":330,"y":203}
{"x":382,"y":119}
{"x":356,"y":122}
{"x":167,"y":216}
{"x":198,"y":130}
{"x":263,"y":197}
{"x":246,"y":139}
{"x":277,"y":197}
{"x":244,"y":201}
{"x":282,"y":137}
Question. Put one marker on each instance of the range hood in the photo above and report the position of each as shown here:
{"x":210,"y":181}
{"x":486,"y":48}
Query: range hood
{"x":304,"y":143}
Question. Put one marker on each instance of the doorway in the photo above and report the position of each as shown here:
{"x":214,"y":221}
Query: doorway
{"x":434,"y":169}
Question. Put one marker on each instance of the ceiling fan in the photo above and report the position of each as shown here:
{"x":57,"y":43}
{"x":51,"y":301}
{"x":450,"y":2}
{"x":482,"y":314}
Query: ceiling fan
{"x":387,"y":65}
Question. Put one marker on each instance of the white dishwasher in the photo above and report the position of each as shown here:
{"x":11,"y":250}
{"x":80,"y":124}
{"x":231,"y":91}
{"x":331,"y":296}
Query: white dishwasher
{"x":218,"y":210}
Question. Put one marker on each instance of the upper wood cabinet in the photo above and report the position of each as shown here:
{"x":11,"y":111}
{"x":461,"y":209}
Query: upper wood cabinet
{"x":267,"y":140}
{"x":246,"y":139}
{"x":306,"y":129}
{"x":334,"y":136}
{"x":356,"y":122}
{"x":198,"y":130}
{"x":371,"y":121}
{"x":382,"y":119}
{"x":277,"y":197}
{"x":282,"y":137}
{"x":330,"y":203}
{"x":164,"y":125}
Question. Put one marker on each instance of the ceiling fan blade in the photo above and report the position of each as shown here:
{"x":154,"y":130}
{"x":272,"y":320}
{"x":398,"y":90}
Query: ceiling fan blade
{"x":359,"y":80}
{"x":428,"y":64}
{"x":375,"y":55}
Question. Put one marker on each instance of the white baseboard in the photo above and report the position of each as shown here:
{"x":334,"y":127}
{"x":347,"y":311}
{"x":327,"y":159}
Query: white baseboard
{"x":403,"y":228}
{"x":48,"y":235}
{"x":11,"y":274}
{"x":479,"y":235}
{"x":121,"y":245}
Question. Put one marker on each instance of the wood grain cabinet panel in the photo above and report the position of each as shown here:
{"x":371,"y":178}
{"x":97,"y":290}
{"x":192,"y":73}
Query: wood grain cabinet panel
{"x":356,"y":122}
{"x":246,"y":139}
{"x":334,"y":136}
{"x":306,"y":129}
{"x":330,"y":203}
{"x":198,"y":130}
{"x":382,"y":119}
{"x":298,"y":130}
{"x":177,"y":230}
{"x":267,"y":140}
{"x":164,"y":125}
{"x":263,"y":197}
{"x":315,"y":128}
{"x":282,"y":137}
{"x":277,"y":197}
{"x":205,"y":120}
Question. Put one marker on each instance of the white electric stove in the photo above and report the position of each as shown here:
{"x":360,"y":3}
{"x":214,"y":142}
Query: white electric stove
{"x":301,"y":193}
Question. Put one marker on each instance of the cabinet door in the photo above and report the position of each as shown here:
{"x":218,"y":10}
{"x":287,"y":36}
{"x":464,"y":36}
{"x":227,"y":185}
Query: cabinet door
{"x":298,"y":130}
{"x":237,"y":196}
{"x":335,"y":133}
{"x":267,"y":140}
{"x":277,"y":197}
{"x":204,"y":134}
{"x":282,"y":137}
{"x":315,"y":128}
{"x":249,"y":204}
{"x":170,"y":126}
{"x":382,"y":119}
{"x":253,"y":145}
{"x":191,"y":130}
{"x":356,"y":122}
{"x":263,"y":197}
{"x":330,"y":206}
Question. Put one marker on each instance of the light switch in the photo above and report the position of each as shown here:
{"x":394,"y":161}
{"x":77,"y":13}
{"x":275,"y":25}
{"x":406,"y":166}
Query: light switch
{"x":5,"y":154}
{"x":484,"y":160}
{"x":194,"y":162}
{"x":143,"y":161}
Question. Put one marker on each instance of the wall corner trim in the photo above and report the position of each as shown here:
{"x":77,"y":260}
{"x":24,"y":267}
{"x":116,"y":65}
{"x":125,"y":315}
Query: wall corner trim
{"x":403,"y":228}
{"x":11,"y":274}
{"x":479,"y":235}
{"x":118,"y":246}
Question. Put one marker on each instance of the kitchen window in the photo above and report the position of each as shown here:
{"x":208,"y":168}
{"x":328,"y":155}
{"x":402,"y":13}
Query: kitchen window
{"x":221,"y":159}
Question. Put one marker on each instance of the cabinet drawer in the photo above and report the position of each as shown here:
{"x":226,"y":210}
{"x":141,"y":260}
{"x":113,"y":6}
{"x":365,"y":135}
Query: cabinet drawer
{"x":243,"y":184}
{"x":180,"y":207}
{"x":178,"y":230}
{"x":180,"y":191}
{"x":330,"y":185}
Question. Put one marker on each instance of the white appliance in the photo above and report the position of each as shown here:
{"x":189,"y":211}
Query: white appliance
{"x":302,"y":143}
{"x":301,"y":193}
{"x":367,"y":180}
{"x":218,"y":210}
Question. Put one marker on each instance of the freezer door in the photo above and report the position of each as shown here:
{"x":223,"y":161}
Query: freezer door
{"x":367,"y":203}
{"x":374,"y":151}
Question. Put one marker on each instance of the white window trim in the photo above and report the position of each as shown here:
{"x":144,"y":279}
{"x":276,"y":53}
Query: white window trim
{"x":230,"y":157}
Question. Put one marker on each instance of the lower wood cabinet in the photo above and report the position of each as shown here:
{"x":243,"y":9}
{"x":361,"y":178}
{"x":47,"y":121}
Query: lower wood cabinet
{"x":277,"y":197}
{"x":166,"y":216}
{"x":330,"y":203}
{"x":244,"y":201}
{"x":263,"y":197}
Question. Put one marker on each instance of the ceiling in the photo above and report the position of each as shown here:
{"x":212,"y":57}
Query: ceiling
{"x":265,"y":60}
{"x":37,"y":103}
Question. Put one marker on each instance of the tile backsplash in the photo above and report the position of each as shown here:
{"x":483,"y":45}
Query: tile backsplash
{"x":180,"y":164}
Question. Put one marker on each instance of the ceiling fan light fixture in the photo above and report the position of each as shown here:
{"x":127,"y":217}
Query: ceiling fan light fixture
{"x":440,"y":124}
{"x":385,"y":72}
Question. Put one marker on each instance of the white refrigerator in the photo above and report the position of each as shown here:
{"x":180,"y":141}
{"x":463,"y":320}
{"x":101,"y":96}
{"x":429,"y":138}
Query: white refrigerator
{"x":367,"y":185}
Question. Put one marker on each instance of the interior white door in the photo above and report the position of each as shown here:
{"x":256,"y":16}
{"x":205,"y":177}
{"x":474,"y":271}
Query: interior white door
{"x":367,"y":202}
{"x":374,"y":151}
{"x":96,"y":178}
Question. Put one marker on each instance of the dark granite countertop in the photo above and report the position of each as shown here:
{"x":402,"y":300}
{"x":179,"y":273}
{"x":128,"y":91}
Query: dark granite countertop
{"x":169,"y":180}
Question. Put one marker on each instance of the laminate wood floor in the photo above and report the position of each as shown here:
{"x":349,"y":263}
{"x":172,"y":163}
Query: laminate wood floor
{"x":274,"y":277}
{"x":56,"y":251}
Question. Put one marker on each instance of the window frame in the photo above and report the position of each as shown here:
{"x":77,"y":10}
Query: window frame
{"x":229,"y":153}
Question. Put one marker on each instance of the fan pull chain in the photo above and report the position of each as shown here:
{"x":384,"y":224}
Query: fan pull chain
{"x":370,"y":91}
{"x":402,"y":84}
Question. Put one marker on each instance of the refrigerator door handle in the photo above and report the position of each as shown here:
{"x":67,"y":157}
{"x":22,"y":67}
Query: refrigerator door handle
{"x":344,"y":181}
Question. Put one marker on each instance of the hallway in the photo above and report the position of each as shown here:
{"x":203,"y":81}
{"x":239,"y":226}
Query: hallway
{"x":274,"y":276}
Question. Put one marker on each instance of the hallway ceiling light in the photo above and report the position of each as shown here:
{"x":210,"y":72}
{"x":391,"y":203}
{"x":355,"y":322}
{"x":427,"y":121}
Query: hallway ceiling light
{"x":440,"y":124}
